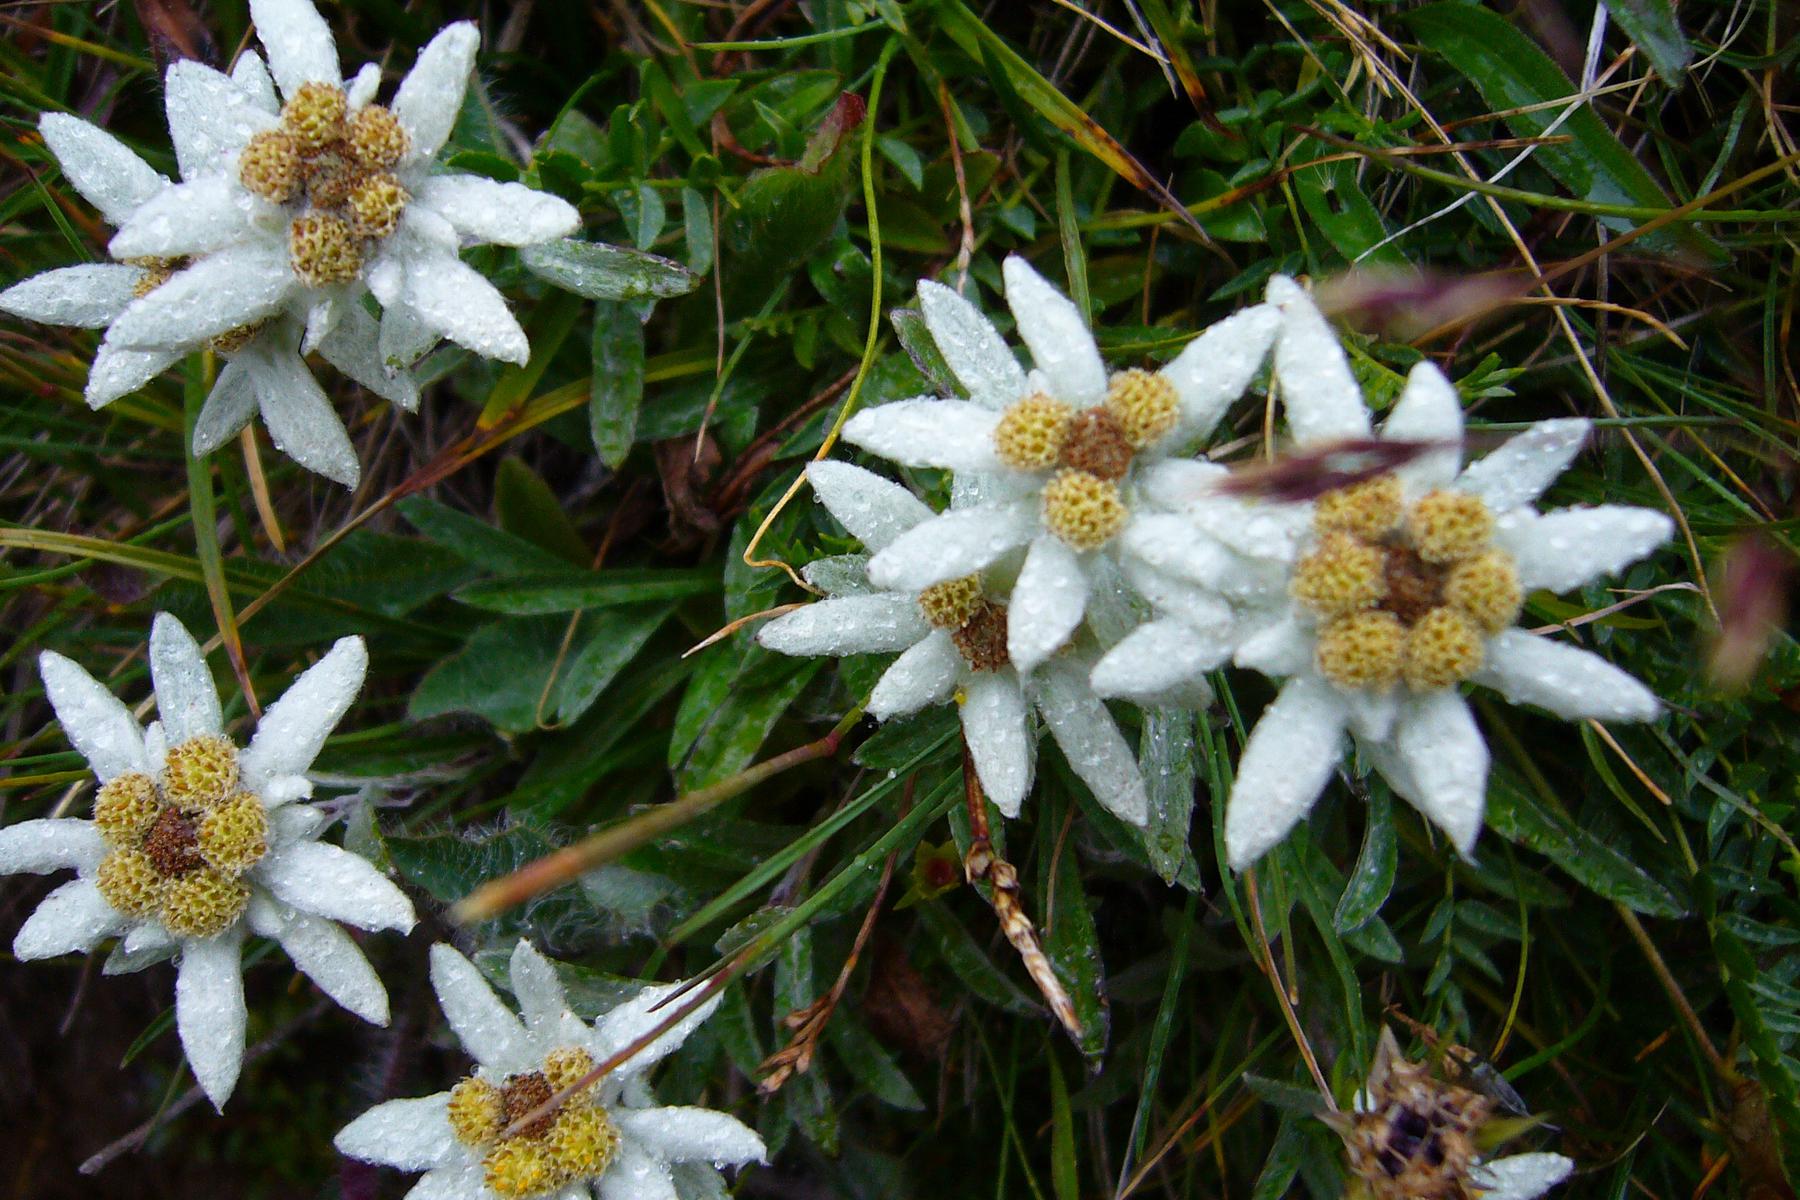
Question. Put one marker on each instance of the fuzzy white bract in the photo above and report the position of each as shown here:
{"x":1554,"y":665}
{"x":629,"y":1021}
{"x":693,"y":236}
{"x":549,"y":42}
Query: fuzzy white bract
{"x":1066,"y":462}
{"x":610,"y":1140}
{"x":955,"y":642}
{"x":1407,"y":585}
{"x":195,"y":844}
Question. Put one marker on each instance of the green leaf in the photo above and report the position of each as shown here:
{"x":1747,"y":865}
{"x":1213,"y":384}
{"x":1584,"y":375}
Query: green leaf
{"x":1282,"y":1164}
{"x":608,"y":643}
{"x":617,"y":389}
{"x":500,"y":675}
{"x":1373,"y":876}
{"x":1652,"y":25}
{"x":1338,"y":208}
{"x":697,"y":230}
{"x":869,"y":1063}
{"x":1511,"y":73}
{"x":1065,"y":1182}
{"x":724,"y":718}
{"x":1072,"y":944}
{"x":1518,"y":817}
{"x":1166,"y":760}
{"x":970,"y":963}
{"x":602,"y":272}
{"x":528,"y":509}
{"x":528,"y":595}
{"x":474,"y":540}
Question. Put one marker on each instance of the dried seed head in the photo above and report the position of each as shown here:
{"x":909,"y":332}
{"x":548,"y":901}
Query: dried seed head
{"x":314,"y":116}
{"x":203,"y":903}
{"x":323,"y":250}
{"x":270,"y":166}
{"x":1096,"y":443}
{"x":376,"y":139}
{"x":374,"y":205}
{"x":234,"y":835}
{"x":1145,"y":405}
{"x":1442,"y":649}
{"x":1415,"y":1140}
{"x":1030,"y":433}
{"x":982,"y":639}
{"x":477,"y":1114}
{"x":1362,"y":650}
{"x":126,"y":808}
{"x":1448,"y":525}
{"x":1341,"y":575}
{"x":950,"y":604}
{"x":200,"y":772}
{"x":130,"y":882}
{"x":1485,"y":588}
{"x":1370,"y":509}
{"x":1086,"y":512}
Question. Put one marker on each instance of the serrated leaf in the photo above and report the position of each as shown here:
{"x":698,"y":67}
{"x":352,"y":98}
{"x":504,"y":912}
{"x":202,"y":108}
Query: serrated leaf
{"x":602,"y":272}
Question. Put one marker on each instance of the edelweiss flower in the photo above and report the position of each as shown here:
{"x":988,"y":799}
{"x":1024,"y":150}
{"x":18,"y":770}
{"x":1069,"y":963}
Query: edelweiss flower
{"x":299,"y":209}
{"x":1408,"y":585}
{"x":1074,"y":458}
{"x":610,"y":1140}
{"x":1410,"y":1135}
{"x":264,"y":366}
{"x":194,"y":843}
{"x":955,"y":636}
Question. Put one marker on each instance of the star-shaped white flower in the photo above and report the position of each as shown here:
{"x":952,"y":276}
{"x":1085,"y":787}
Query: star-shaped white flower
{"x":954,"y":641}
{"x":611,"y":1141}
{"x":195,"y":843}
{"x":264,"y":368}
{"x":1070,"y":459}
{"x":1408,"y":585}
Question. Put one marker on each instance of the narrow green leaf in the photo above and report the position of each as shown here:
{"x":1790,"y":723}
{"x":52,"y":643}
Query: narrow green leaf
{"x":528,"y":509}
{"x":617,"y":390}
{"x":1373,"y":876}
{"x":1518,"y":817}
{"x":567,"y":591}
{"x":870,"y":1064}
{"x":1652,"y":25}
{"x":607,"y":644}
{"x":1166,"y":760}
{"x":970,"y":963}
{"x":697,"y":229}
{"x":602,"y":272}
{"x":1071,"y":942}
{"x":474,"y":540}
{"x":1065,"y":1181}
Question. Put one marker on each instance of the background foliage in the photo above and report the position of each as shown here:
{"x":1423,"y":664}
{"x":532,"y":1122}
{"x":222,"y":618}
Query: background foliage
{"x":532,"y":555}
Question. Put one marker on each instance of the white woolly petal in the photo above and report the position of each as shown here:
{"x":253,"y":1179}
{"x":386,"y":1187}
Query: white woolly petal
{"x":1281,"y":649}
{"x":873,"y":509}
{"x":1262,"y":532}
{"x":87,"y":296}
{"x":142,"y":946}
{"x":458,"y":302}
{"x":1169,"y":543}
{"x":326,"y":955}
{"x":1096,"y":750}
{"x":954,"y":434}
{"x":1046,"y":604}
{"x":238,"y":285}
{"x":1285,"y":765}
{"x":298,"y":43}
{"x":404,"y":338}
{"x":120,"y":370}
{"x":330,"y":882}
{"x":839,"y":625}
{"x":1372,"y":716}
{"x":1521,"y":1176}
{"x":1174,"y":483}
{"x":1320,"y":395}
{"x":635,"y":1175}
{"x":954,"y":544}
{"x":413,"y":1135}
{"x":187,"y":702}
{"x":100,"y":727}
{"x":46,"y":844}
{"x":354,"y":348}
{"x":1567,"y":548}
{"x":1157,"y":656}
{"x":228,"y":408}
{"x":1428,"y":410}
{"x":299,"y":416}
{"x":539,"y":992}
{"x":294,"y":822}
{"x":1216,"y":367}
{"x":691,"y":1135}
{"x":1446,"y":762}
{"x":252,"y":75}
{"x":432,"y":93}
{"x":1565,"y":679}
{"x":1061,"y":346}
{"x":1526,"y":464}
{"x":455,"y":1182}
{"x":994,"y":723}
{"x":99,"y":166}
{"x":506,"y":214}
{"x":321,"y":319}
{"x":293,"y":729}
{"x":211,"y":115}
{"x":362,"y":86}
{"x":209,"y":1012}
{"x":487,"y":1028}
{"x":643,"y":1012}
{"x":923,"y":675}
{"x":977,"y":354}
{"x":71,"y":919}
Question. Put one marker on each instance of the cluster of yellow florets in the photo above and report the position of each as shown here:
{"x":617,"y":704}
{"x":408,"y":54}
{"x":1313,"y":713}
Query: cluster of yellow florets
{"x":573,"y":1144}
{"x":156,"y":272}
{"x":1404,"y":594}
{"x":341,"y":166}
{"x":178,"y":845}
{"x":950,"y":604}
{"x":976,"y":624}
{"x":1093,"y":448}
{"x":238,"y":336}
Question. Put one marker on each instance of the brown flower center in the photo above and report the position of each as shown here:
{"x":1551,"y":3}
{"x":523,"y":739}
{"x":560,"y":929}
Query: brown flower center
{"x":173,"y":844}
{"x":982,"y":642}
